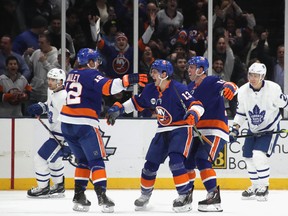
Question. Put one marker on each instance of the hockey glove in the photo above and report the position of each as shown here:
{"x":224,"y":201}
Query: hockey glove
{"x":113,"y":112}
{"x":191,"y":117}
{"x":234,"y":132}
{"x":66,"y":152}
{"x":229,"y":90}
{"x":134,"y":78}
{"x":37,"y":109}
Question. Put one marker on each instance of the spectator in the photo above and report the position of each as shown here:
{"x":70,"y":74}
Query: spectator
{"x":8,"y":19}
{"x":40,"y":62}
{"x":5,"y":51}
{"x":57,"y":64}
{"x":54,"y":31}
{"x":27,"y":41}
{"x":14,"y":89}
{"x":279,"y":67}
{"x":74,"y":29}
{"x":168,"y":19}
{"x":180,"y":70}
{"x":145,"y":62}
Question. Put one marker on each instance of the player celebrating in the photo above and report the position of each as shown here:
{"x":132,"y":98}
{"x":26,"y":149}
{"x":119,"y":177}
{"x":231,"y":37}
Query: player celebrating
{"x":80,"y":124}
{"x":259,"y":101}
{"x":48,"y":161}
{"x":213,"y":124}
{"x":174,"y":134}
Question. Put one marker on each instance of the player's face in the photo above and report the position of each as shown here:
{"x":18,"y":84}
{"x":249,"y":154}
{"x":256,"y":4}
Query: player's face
{"x":155,"y":76}
{"x":255,"y":80}
{"x":192,"y":72}
{"x":52,"y":84}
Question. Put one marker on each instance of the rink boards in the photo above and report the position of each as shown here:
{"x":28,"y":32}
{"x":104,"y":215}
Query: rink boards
{"x":126,"y":143}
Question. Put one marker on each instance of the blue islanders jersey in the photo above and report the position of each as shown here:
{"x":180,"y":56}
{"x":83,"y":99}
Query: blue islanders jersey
{"x":170,"y":111}
{"x":84,"y":96}
{"x":214,"y":120}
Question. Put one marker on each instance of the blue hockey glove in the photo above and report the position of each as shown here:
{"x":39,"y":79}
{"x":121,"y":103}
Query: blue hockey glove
{"x":113,"y":112}
{"x":191,"y":117}
{"x":37,"y":109}
{"x":234,"y":132}
{"x":66,"y":151}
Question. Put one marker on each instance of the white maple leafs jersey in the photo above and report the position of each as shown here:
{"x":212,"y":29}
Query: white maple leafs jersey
{"x":55,"y":101}
{"x":260,"y":108}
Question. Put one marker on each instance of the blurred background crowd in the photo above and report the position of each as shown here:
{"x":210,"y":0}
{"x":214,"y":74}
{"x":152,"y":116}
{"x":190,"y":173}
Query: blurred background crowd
{"x":30,"y":32}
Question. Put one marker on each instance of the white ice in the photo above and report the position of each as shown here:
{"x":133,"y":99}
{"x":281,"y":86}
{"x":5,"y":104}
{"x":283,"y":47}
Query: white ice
{"x":15,"y":203}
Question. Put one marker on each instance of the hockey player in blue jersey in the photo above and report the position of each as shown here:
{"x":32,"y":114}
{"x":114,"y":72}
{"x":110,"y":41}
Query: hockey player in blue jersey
{"x":48,"y":160}
{"x":259,"y":101}
{"x":174,"y":133}
{"x":80,"y":124}
{"x":213,"y":124}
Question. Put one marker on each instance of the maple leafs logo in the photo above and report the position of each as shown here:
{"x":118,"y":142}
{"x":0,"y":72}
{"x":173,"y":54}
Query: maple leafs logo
{"x":257,"y":116}
{"x":109,"y":150}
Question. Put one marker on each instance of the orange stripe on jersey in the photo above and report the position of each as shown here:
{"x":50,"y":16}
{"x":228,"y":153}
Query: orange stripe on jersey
{"x":28,"y":88}
{"x":141,"y":45}
{"x":207,"y":174}
{"x":79,"y":112}
{"x":82,"y":173}
{"x":191,"y":175}
{"x":101,"y":44}
{"x":188,"y":141}
{"x":100,"y":141}
{"x":138,"y":108}
{"x":213,"y":124}
{"x":215,"y":146}
{"x":99,"y":174}
{"x":106,"y":88}
{"x":147,"y":183}
{"x":181,"y":179}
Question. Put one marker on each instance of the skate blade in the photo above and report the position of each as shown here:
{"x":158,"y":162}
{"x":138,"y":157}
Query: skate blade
{"x":39,"y":197}
{"x":262,"y":198}
{"x":57,"y":195}
{"x":210,"y":208}
{"x":141,"y":208}
{"x":249,"y":198}
{"x":107,"y":209}
{"x":184,"y":208}
{"x":80,"y":208}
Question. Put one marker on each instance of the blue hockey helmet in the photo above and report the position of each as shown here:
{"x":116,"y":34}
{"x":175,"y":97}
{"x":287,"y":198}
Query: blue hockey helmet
{"x":162,"y":66}
{"x":199,"y":61}
{"x":86,"y":54}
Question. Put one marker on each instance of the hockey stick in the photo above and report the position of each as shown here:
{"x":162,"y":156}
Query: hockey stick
{"x":264,"y":133}
{"x":202,"y":138}
{"x":71,"y":159}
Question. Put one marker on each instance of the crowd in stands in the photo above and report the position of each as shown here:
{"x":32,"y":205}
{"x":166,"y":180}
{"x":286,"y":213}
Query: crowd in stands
{"x":174,"y":30}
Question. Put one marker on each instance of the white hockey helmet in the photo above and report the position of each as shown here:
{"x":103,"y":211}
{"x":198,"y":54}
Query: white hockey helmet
{"x":258,"y":68}
{"x":57,"y":74}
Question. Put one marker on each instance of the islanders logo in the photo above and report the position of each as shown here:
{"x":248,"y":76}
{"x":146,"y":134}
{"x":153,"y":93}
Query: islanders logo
{"x":121,"y":65}
{"x":163,"y":116}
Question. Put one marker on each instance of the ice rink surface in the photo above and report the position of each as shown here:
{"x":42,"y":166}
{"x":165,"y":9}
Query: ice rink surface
{"x":15,"y":203}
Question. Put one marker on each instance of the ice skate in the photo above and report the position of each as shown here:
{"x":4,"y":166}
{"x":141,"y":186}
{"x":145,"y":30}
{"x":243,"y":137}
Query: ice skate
{"x":58,"y":190}
{"x":249,"y":194}
{"x":212,"y":203}
{"x":80,"y":201}
{"x":183,"y":202}
{"x":104,"y":201}
{"x":262,"y":193}
{"x":39,"y":192}
{"x":142,"y":202}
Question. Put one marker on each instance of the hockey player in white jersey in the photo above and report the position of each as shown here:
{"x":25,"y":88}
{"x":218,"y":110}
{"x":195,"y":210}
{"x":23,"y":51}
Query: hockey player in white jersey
{"x":259,"y":101}
{"x":48,"y":160}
